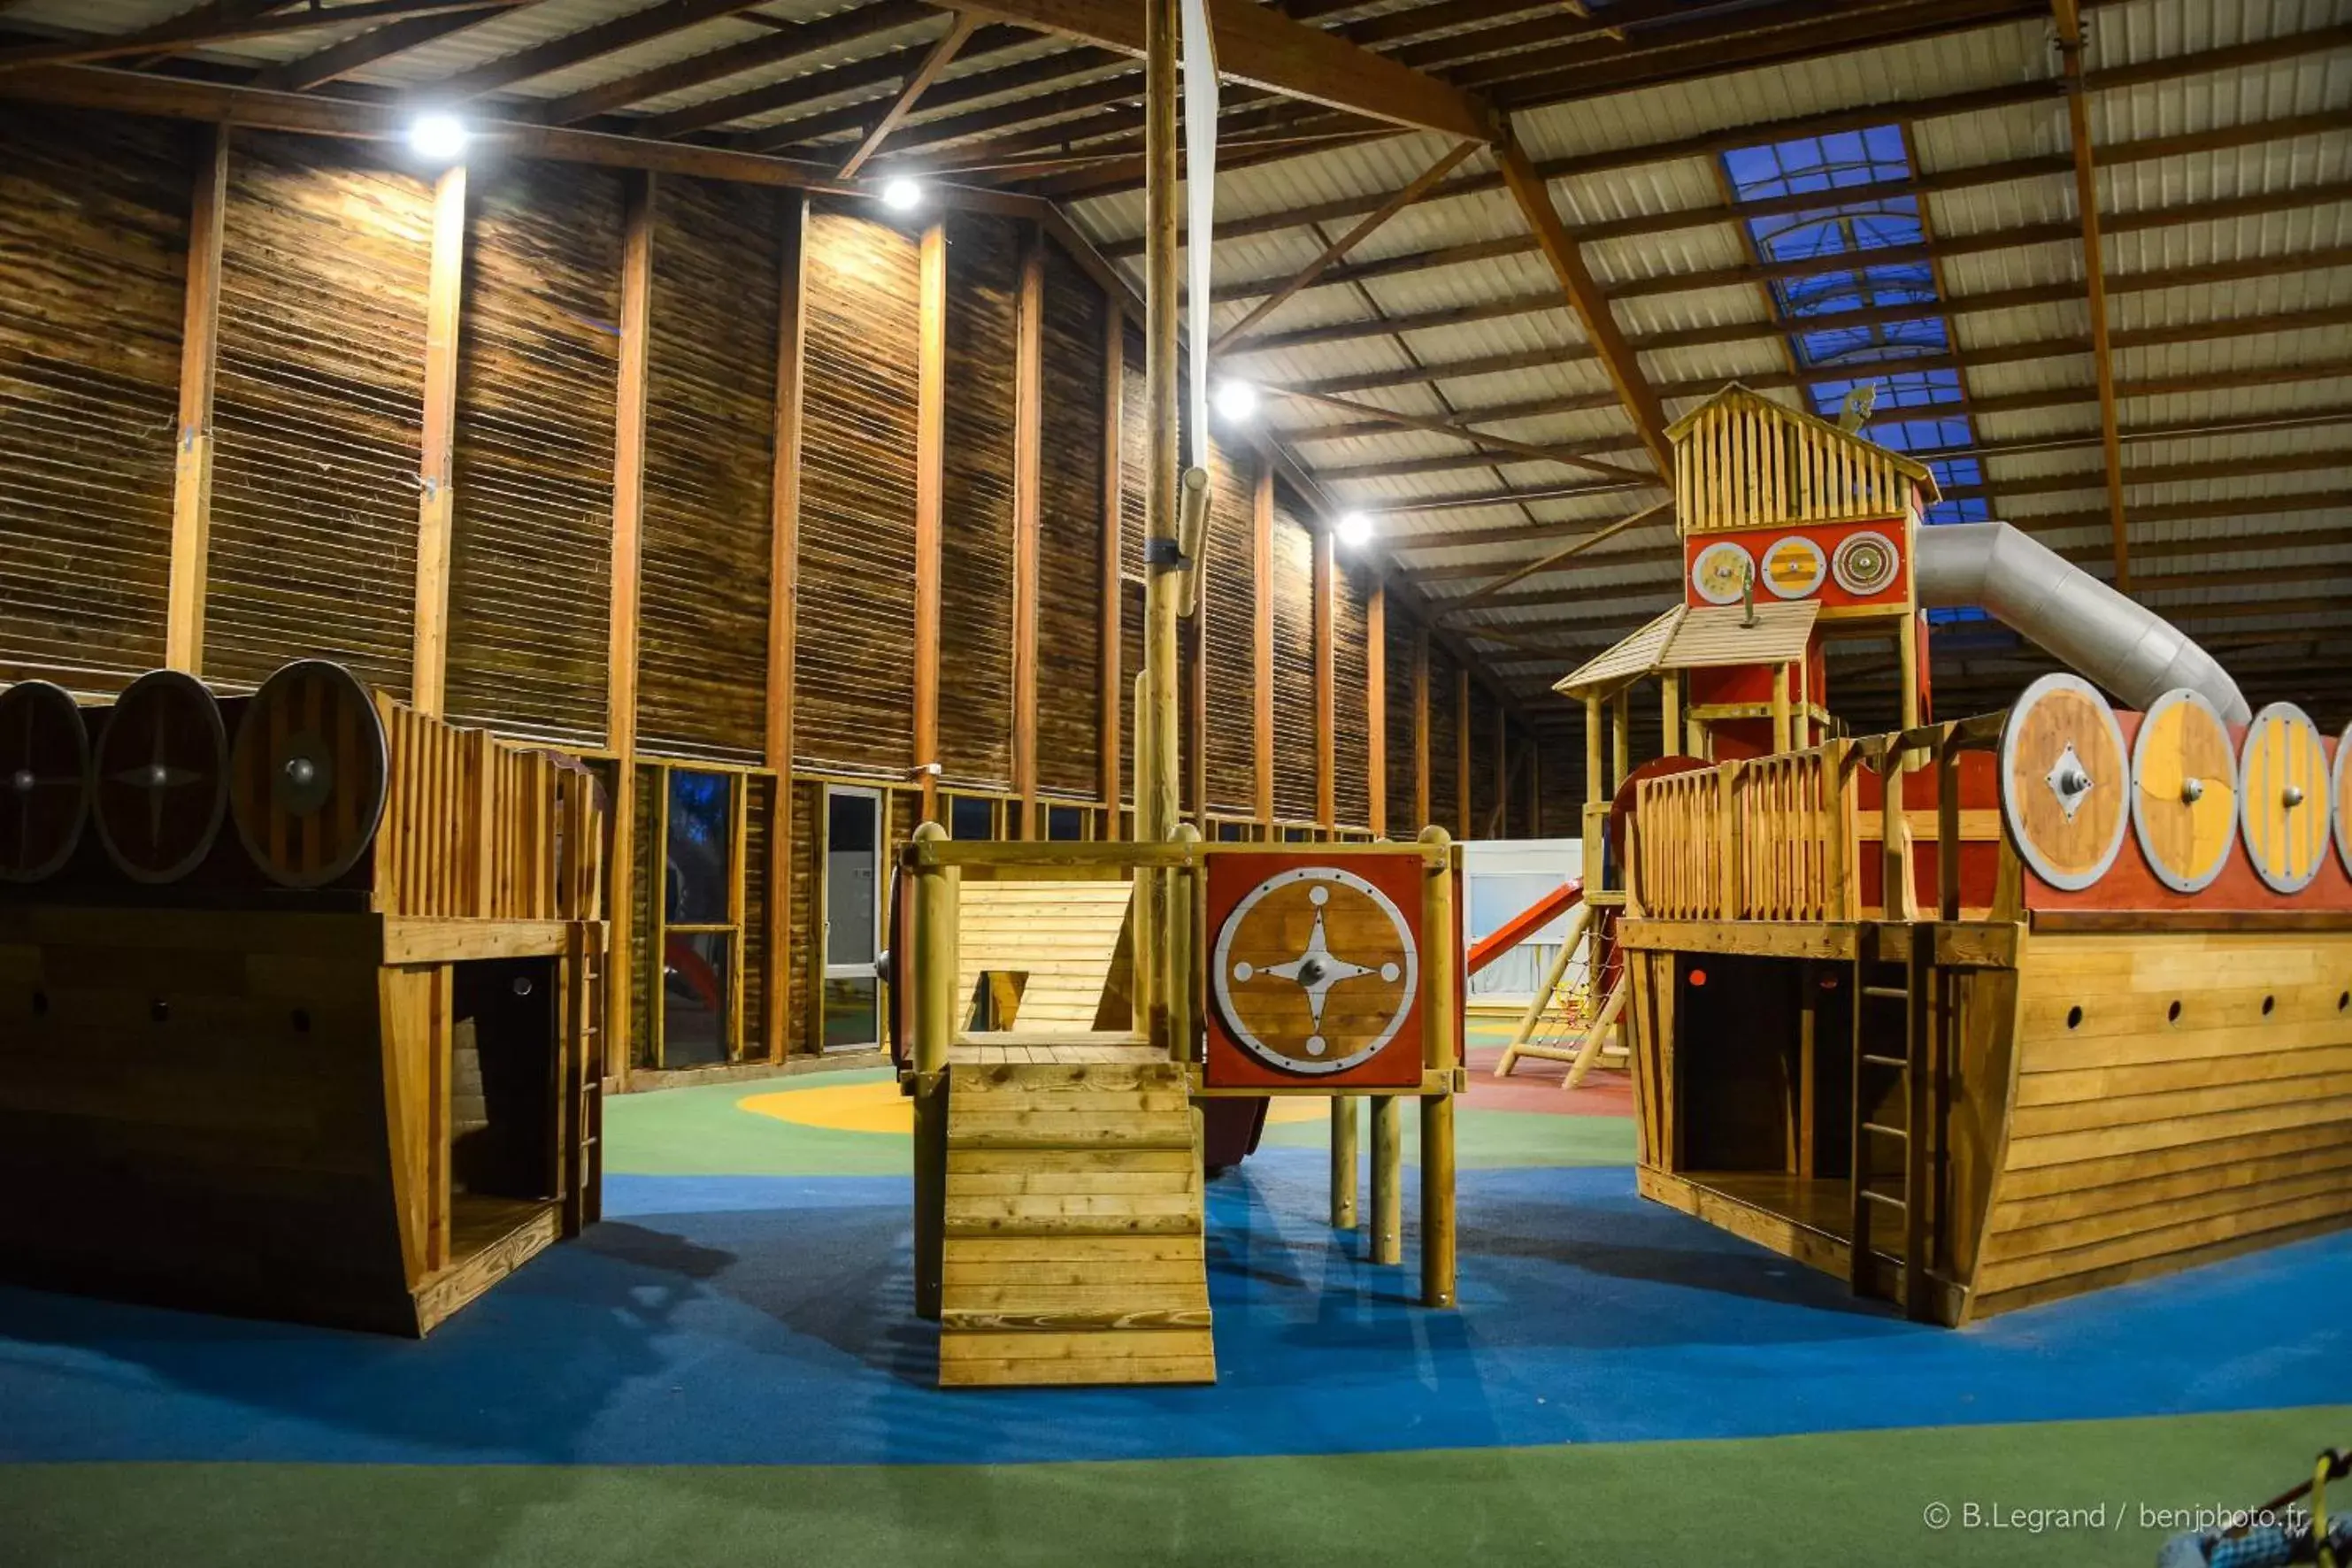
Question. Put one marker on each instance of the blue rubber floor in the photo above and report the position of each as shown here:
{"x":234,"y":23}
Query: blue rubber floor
{"x":727,"y":1319}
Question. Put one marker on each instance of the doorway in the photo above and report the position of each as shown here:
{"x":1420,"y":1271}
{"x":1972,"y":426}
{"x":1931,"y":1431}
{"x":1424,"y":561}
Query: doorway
{"x":853,"y":918}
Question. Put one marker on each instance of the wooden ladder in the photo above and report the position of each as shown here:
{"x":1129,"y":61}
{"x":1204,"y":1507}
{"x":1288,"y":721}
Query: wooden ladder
{"x":1914,"y":1071}
{"x":1072,"y":1247}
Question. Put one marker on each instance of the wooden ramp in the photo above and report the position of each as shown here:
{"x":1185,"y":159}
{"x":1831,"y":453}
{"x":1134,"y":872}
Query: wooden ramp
{"x":1073,"y":1223}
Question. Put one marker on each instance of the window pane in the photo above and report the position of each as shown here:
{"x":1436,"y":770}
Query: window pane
{"x":850,"y":1019}
{"x":849,"y":877}
{"x":968,"y":817}
{"x":694,"y":970}
{"x":1065,"y":822}
{"x":701,"y":836}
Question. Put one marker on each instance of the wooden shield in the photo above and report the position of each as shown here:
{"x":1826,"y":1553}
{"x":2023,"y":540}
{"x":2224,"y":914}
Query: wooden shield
{"x":1315,"y":971}
{"x":2065,"y":781}
{"x":2184,"y":791}
{"x":2342,"y":803}
{"x":160,"y":783}
{"x":2282,"y":797}
{"x":307,"y":774}
{"x":44,"y":780}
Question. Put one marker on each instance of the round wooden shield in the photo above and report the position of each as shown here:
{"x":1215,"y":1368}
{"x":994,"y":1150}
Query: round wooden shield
{"x":160,"y":783}
{"x":2065,"y":782}
{"x":1865,"y":563}
{"x":2343,"y":801}
{"x":1315,"y":970}
{"x":44,"y":780}
{"x":2184,"y":791}
{"x":2282,"y":792}
{"x":307,"y":776}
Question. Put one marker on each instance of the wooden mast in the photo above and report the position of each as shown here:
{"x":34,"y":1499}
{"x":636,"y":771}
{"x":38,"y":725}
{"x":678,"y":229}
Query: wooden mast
{"x":1155,"y":810}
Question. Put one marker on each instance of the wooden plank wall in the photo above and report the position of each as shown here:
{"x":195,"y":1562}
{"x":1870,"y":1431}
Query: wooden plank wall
{"x":89,"y":357}
{"x":710,"y":399}
{"x":530,"y":546}
{"x":318,"y":415}
{"x":976,"y":540}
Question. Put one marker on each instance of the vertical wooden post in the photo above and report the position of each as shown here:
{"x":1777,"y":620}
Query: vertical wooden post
{"x":1620,"y":737}
{"x":1595,"y":788}
{"x":1669,"y":712}
{"x":1327,"y":684}
{"x":1344,"y":1160}
{"x":932,"y":969}
{"x":1502,"y":774}
{"x":1466,"y":826}
{"x":1421,"y":793}
{"x":1112,"y":607}
{"x":1907,"y":645}
{"x":629,"y":550}
{"x":1780,"y":733}
{"x":1262,"y":644}
{"x":1440,"y":1018}
{"x":1028,"y":434}
{"x":1156,"y":809}
{"x":192,"y":475}
{"x":1388,"y":1178}
{"x":436,"y":503}
{"x":783,"y":613}
{"x":1179,"y":946}
{"x":1376,"y":709}
{"x":930,"y":494}
{"x":1535,"y":785}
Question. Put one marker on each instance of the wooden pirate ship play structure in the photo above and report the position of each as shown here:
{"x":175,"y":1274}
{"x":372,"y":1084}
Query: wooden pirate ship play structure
{"x":300,"y":991}
{"x":1977,"y":1014}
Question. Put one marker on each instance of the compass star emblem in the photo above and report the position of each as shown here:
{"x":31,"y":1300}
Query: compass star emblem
{"x":1317,"y":970}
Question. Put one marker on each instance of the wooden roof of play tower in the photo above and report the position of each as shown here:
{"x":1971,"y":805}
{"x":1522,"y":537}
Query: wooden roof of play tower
{"x":1481,"y":342}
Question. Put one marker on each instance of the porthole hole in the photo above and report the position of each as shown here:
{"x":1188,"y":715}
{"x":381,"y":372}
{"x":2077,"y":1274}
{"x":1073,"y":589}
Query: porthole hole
{"x":2172,"y":1014}
{"x":302,"y":1020}
{"x":2073,"y":1017}
{"x":2343,"y":1000}
{"x":160,"y":1010}
{"x":2269,"y":1003}
{"x":40,"y":1004}
{"x":522,"y":985}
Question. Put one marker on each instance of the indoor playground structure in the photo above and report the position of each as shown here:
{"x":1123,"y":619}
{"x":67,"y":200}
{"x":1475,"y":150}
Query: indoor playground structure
{"x":1982,"y":1013}
{"x":302,"y":999}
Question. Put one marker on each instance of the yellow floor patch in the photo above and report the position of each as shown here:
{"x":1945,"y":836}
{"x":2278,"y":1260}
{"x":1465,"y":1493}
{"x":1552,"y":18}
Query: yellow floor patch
{"x":878,"y":1107}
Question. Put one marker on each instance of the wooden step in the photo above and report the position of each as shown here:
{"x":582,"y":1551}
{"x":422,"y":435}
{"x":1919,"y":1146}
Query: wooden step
{"x":1073,"y":1225}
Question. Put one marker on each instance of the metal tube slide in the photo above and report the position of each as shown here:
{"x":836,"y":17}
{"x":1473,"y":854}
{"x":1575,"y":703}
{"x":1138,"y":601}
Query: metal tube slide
{"x":2126,"y":648}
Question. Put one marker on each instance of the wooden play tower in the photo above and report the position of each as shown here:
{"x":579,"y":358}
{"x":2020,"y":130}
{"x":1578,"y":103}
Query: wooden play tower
{"x":1909,"y":1007}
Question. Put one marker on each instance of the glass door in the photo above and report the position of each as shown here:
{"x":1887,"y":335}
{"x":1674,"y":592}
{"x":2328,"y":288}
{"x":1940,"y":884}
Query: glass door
{"x":853,"y":918}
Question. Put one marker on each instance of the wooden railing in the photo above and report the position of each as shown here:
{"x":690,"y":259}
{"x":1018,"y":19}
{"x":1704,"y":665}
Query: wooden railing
{"x":477,"y":828}
{"x":1780,"y":837}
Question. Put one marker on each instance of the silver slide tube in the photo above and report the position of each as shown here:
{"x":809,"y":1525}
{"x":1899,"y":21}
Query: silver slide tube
{"x":2106,"y":638}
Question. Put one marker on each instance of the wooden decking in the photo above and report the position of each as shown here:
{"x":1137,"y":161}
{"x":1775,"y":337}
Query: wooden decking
{"x":1073,"y":1223}
{"x":1029,"y":1048}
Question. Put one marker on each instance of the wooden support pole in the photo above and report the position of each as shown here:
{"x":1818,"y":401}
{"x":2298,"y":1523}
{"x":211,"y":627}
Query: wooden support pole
{"x":1440,"y":1018}
{"x":1156,"y":807}
{"x":1502,"y":818}
{"x":1907,"y":649}
{"x":437,"y":502}
{"x":192,"y":475}
{"x":1421,"y":792}
{"x":932,"y":969}
{"x":628,"y":555}
{"x":1111,"y":609}
{"x":1327,"y":690}
{"x":1028,"y":437}
{"x":930,"y":495}
{"x":1621,"y":738}
{"x":1669,"y":711}
{"x":1388,"y":1179}
{"x":937,"y":60}
{"x":2068,"y":16}
{"x":784,"y":612}
{"x":1262,"y":644}
{"x":1465,"y":825}
{"x":1781,"y":732}
{"x":1594,"y":787}
{"x":1344,"y":1160}
{"x":1376,"y":708}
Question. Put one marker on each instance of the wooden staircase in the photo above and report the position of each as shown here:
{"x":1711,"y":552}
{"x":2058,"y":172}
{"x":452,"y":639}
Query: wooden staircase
{"x":1073,"y":1250}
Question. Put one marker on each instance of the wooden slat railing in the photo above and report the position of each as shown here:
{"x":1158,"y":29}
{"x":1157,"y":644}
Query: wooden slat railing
{"x":477,"y":828}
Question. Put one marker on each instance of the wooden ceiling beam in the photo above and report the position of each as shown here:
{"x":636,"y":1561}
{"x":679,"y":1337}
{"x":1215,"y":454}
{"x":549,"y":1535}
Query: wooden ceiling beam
{"x":339,"y":60}
{"x":1076,"y":60}
{"x":228,"y":23}
{"x":1261,"y":47}
{"x":1393,"y":419}
{"x":1333,"y":253}
{"x":2068,"y":17}
{"x":934,"y":61}
{"x":932,"y":133}
{"x":605,"y":37}
{"x":783,"y":43}
{"x":1712,"y":143}
{"x":884,"y":70}
{"x":1585,"y":296}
